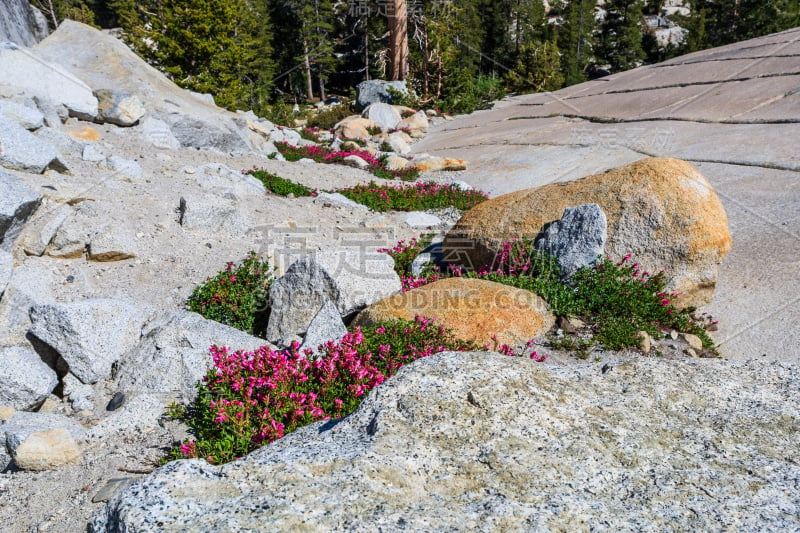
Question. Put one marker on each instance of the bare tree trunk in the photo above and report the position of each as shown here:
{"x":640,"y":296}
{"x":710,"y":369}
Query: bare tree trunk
{"x":307,"y":61}
{"x":321,"y":90}
{"x":398,"y":40}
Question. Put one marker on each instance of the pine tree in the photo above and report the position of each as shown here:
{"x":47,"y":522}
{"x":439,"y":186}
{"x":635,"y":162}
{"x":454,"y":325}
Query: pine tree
{"x":619,"y":41}
{"x":209,"y":46}
{"x":577,"y":38}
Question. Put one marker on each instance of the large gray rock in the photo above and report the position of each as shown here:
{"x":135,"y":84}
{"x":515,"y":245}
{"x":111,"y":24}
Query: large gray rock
{"x":173,"y":354}
{"x":349,"y":277}
{"x":25,"y":380}
{"x":27,"y":117}
{"x":483,"y":442}
{"x":27,"y":70}
{"x":21,"y":23}
{"x":384,"y":115}
{"x":376,"y":91}
{"x":122,"y":109}
{"x":21,"y":150}
{"x":577,"y":240}
{"x":90,"y":335}
{"x":17,"y":204}
{"x":192,"y":132}
{"x":326,"y":326}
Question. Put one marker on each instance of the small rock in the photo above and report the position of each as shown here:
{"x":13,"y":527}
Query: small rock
{"x":46,"y":450}
{"x":199,"y":211}
{"x":356,"y":162}
{"x":116,"y":401}
{"x":399,"y":142}
{"x":416,"y":122}
{"x":113,"y":243}
{"x":111,"y":489}
{"x":29,"y":118}
{"x":6,"y":412}
{"x":122,"y":109}
{"x":92,"y":154}
{"x":21,"y":150}
{"x":693,"y":341}
{"x":420,"y":219}
{"x":690,"y":352}
{"x":395,"y":162}
{"x":437,"y":164}
{"x":40,"y":232}
{"x":126,"y":167}
{"x":359,"y":128}
{"x":339,"y":200}
{"x":84,"y":133}
{"x":644,"y":341}
{"x":563,"y":323}
{"x":25,"y":380}
{"x":673,"y":334}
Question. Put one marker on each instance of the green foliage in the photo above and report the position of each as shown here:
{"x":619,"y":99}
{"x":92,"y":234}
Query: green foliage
{"x":538,"y":69}
{"x":466,"y":93}
{"x":577,"y":41}
{"x":237,"y":296}
{"x":619,"y":41}
{"x":210,"y":46}
{"x":404,"y":253}
{"x":280,"y":186}
{"x":326,"y":120}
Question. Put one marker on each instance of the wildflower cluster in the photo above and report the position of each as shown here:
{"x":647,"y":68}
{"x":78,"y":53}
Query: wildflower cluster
{"x":252,"y":398}
{"x":237,"y":296}
{"x":323,"y":154}
{"x":311,"y":134}
{"x":413,"y":197}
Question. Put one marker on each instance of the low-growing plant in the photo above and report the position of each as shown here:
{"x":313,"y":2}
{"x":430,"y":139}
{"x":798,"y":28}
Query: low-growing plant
{"x":323,"y":154}
{"x":236,"y":296}
{"x":413,"y":197}
{"x":310,"y":134}
{"x":278,"y":185}
{"x":617,"y":299}
{"x":374,"y":130}
{"x":249,"y":399}
{"x":404,"y":252}
{"x":328,"y":118}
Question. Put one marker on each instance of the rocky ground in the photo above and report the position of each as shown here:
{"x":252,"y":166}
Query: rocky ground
{"x":179,"y":212}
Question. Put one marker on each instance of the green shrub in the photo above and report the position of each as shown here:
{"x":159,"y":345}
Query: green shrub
{"x":327,"y":119}
{"x":466,"y":93}
{"x":237,"y":296}
{"x":280,"y":186}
